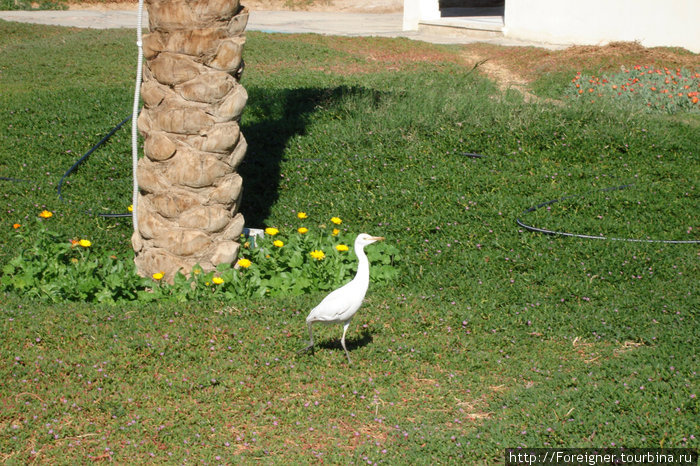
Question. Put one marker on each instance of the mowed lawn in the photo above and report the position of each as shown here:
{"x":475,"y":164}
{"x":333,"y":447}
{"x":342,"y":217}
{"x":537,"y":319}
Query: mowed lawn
{"x":490,"y":337}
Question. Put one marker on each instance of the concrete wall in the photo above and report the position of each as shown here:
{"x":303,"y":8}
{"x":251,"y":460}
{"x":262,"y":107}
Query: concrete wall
{"x":673,"y":23}
{"x":415,"y":11}
{"x":651,"y":22}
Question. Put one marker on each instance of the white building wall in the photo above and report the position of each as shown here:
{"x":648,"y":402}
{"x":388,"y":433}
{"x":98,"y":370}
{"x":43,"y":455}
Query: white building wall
{"x":651,"y":22}
{"x":415,"y":11}
{"x":671,"y":23}
{"x":411,"y":15}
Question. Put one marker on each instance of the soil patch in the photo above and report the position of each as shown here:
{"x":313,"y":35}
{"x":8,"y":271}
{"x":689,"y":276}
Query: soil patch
{"x":516,"y":66}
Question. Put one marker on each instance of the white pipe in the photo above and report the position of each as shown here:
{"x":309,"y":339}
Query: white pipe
{"x":134,"y":116}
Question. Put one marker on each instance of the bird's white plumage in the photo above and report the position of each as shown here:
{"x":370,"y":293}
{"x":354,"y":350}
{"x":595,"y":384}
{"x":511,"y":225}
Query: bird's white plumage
{"x":338,"y":306}
{"x":342,"y":304}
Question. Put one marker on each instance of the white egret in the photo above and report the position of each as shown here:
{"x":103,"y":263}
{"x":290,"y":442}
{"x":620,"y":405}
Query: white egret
{"x":342,"y":304}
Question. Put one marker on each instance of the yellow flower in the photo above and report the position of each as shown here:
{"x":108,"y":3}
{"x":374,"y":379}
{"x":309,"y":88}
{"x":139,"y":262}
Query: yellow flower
{"x":130,"y":208}
{"x":46,"y":214}
{"x":217,"y":280}
{"x":278,"y":243}
{"x":336,"y":220}
{"x":303,"y":230}
{"x":158,"y":276}
{"x":302,"y":215}
{"x":341,"y":247}
{"x":335,"y":232}
{"x":16,"y":225}
{"x":245,"y":263}
{"x":271,"y":231}
{"x":85,"y":243}
{"x":318,"y":255}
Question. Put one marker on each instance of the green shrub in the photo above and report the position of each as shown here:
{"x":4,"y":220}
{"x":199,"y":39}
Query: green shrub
{"x":52,"y":268}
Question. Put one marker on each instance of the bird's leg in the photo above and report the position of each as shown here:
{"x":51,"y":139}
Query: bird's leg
{"x":342,"y":341}
{"x":311,"y":338}
{"x":311,"y":343}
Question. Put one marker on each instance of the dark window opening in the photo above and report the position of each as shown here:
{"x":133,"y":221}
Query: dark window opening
{"x":471,"y":8}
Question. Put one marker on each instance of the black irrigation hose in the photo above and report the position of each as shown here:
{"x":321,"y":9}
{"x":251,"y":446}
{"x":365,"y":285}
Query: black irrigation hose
{"x":82,"y":159}
{"x":466,"y":154}
{"x":16,"y":180}
{"x":577,"y":235}
{"x":76,"y":164}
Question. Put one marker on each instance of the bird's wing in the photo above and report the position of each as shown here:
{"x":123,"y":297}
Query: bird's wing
{"x":338,"y":306}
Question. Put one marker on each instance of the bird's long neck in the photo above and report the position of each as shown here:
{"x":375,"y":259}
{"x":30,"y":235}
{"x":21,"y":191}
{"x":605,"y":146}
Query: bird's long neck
{"x":362,"y":275}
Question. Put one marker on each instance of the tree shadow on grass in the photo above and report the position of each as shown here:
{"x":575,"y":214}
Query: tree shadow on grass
{"x":273,"y":117}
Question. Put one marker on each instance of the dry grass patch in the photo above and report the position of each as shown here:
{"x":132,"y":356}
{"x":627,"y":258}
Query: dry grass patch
{"x":522,"y":65}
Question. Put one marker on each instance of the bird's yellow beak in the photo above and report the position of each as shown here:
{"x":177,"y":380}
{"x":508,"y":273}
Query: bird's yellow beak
{"x":378,"y":238}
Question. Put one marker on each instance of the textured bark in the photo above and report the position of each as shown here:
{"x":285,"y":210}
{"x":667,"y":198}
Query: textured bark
{"x":189,"y":191}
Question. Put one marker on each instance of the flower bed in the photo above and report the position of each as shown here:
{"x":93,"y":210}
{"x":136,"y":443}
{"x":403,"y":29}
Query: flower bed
{"x":655,"y":89}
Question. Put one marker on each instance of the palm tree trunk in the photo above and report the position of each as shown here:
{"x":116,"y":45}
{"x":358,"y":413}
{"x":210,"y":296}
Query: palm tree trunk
{"x":189,"y":191}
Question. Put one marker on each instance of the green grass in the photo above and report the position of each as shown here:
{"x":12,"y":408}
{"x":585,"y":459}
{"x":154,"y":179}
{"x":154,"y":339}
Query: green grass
{"x":492,"y":337}
{"x":29,"y":5}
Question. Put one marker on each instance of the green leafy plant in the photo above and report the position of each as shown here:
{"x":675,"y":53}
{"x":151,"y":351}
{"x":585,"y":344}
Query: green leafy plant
{"x":297,"y":261}
{"x":287,"y":262}
{"x":52,"y":268}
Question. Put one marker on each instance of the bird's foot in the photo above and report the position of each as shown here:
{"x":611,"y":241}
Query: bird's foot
{"x":309,"y":348}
